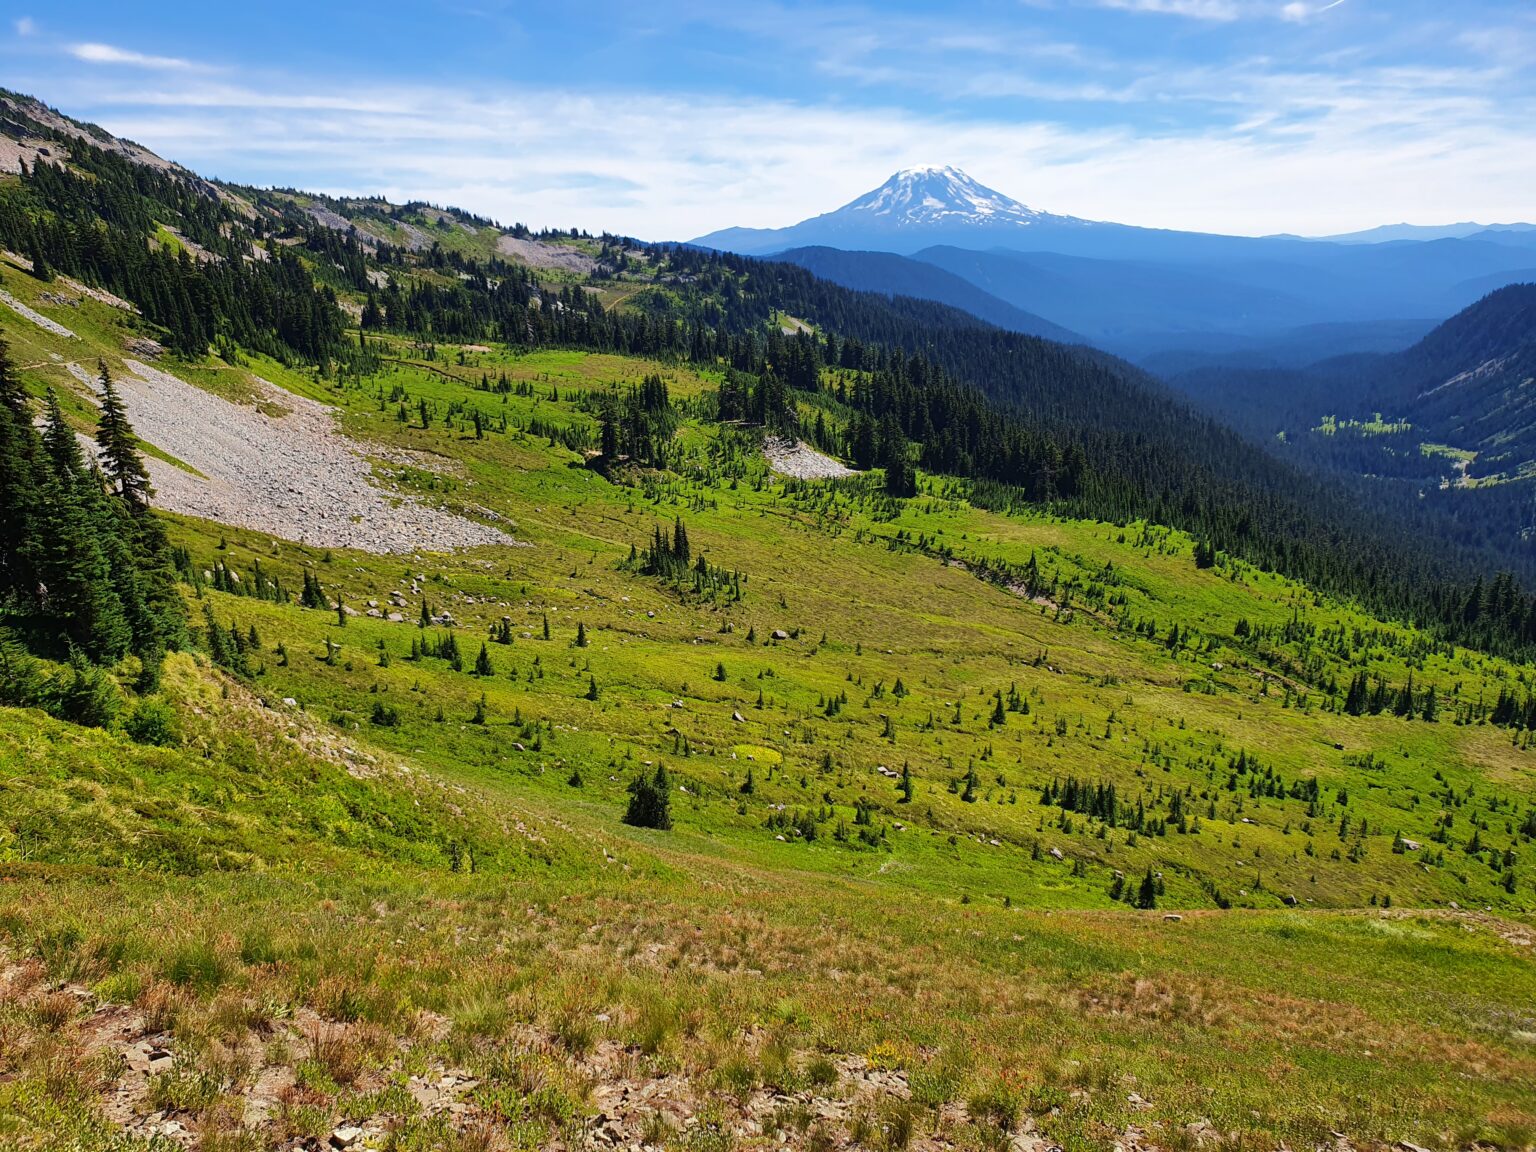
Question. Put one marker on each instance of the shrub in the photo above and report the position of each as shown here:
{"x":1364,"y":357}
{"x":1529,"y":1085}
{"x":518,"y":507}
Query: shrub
{"x":153,"y":721}
{"x":87,"y":696}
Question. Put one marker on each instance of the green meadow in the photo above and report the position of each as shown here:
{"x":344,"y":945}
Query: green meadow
{"x":1107,"y":858}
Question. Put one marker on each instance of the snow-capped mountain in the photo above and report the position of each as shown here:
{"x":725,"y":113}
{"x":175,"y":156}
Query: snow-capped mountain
{"x":914,"y":209}
{"x":1127,"y":288}
{"x":933,"y":195}
{"x":939,"y":206}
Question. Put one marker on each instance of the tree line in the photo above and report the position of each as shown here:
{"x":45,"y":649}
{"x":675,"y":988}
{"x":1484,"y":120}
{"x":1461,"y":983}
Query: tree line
{"x":86,"y":572}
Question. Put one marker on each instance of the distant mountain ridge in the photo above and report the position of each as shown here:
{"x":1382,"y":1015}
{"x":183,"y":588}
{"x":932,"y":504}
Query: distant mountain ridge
{"x":1147,"y":292}
{"x":893,"y":275}
{"x":1390,"y":233}
{"x":930,"y":205}
{"x":1467,"y":390}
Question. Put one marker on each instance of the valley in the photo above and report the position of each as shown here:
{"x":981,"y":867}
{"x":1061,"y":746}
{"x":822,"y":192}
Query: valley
{"x":626,"y":697}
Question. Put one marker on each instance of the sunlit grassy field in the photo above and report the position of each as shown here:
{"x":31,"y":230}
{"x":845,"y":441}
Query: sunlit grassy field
{"x":361,"y":863}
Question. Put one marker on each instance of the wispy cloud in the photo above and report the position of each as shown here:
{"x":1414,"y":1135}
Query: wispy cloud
{"x":25,"y":26}
{"x":1222,"y":10}
{"x":1299,"y":11}
{"x":1318,"y":152}
{"x":110,"y":54}
{"x":1250,"y":124}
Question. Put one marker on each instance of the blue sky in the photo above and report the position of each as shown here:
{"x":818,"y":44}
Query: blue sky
{"x":668,"y":119}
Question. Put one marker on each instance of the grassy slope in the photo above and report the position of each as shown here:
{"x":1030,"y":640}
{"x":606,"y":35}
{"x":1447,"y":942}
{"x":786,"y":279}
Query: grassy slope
{"x":938,"y":951}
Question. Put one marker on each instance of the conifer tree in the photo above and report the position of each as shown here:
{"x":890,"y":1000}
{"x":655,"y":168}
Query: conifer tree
{"x":59,"y":440}
{"x":120,"y":459}
{"x":650,"y":801}
{"x":40,"y":267}
{"x":19,"y":489}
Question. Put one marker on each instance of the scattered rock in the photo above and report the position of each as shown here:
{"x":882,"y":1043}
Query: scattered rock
{"x":789,"y":457}
{"x":280,"y":467}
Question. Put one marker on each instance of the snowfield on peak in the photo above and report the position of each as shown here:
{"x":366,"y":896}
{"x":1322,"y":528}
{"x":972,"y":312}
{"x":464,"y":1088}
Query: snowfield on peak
{"x":915,"y":209}
{"x":934,"y":194}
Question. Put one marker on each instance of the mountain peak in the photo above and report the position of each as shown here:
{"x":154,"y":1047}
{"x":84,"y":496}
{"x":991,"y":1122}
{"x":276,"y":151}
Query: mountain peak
{"x":938,"y":194}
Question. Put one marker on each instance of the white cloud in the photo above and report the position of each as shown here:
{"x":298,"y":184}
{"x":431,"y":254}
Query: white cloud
{"x":109,"y":54}
{"x":1316,"y":152}
{"x":25,"y":26}
{"x":1251,"y":142}
{"x":1299,"y":11}
{"x":1222,"y":10}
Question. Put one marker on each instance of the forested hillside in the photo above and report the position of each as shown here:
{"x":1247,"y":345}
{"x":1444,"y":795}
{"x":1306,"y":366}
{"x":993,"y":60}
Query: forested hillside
{"x":1056,"y":424}
{"x":1439,"y":436}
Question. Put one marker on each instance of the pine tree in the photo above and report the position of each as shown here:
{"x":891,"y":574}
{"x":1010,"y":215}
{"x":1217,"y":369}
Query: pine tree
{"x":483,"y":663}
{"x":581,"y":634}
{"x":971,"y":784}
{"x":650,"y":801}
{"x":1146,"y":895}
{"x":40,"y":267}
{"x":20,"y":489}
{"x":80,"y":557}
{"x":120,"y":459}
{"x":59,"y":440}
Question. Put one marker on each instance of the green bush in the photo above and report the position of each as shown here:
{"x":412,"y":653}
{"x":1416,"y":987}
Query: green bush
{"x":153,"y":721}
{"x":86,"y":695}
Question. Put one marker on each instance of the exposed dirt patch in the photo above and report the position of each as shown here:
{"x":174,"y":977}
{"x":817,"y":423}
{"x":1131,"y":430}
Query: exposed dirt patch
{"x":264,"y":1079}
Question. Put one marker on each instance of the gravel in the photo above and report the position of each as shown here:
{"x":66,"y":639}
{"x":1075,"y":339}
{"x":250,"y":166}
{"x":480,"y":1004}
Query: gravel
{"x":792,"y":458}
{"x":36,"y":317}
{"x":293,"y":476}
{"x":541,"y":254}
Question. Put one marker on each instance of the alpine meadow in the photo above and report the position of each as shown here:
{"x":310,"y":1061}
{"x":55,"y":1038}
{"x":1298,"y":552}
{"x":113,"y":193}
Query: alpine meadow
{"x":941,"y":675}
